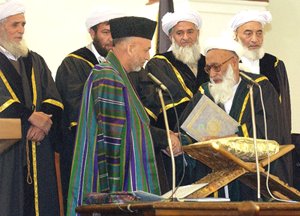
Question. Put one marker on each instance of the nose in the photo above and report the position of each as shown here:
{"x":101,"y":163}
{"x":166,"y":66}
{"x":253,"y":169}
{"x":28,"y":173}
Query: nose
{"x":254,"y":38}
{"x":185,"y":35}
{"x":21,"y":29}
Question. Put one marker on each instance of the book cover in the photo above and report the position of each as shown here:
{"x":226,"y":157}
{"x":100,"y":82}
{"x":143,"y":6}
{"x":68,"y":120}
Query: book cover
{"x":207,"y":119}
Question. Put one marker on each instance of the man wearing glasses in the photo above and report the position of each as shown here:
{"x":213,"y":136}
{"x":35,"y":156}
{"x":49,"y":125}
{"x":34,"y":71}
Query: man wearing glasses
{"x":228,"y":87}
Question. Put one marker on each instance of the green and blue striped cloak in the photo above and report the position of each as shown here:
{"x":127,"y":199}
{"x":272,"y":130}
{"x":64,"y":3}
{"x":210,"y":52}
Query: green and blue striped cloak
{"x":114,"y":148}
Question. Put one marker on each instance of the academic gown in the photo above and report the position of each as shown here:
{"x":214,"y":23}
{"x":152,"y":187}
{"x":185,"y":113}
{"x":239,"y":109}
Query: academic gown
{"x":241,"y":112}
{"x":70,"y":79}
{"x":182,"y":84}
{"x":274,"y":69}
{"x":114,"y":148}
{"x":177,"y":77}
{"x":34,"y":89}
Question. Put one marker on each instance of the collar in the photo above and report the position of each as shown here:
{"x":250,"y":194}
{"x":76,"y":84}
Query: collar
{"x":249,"y":65}
{"x":228,"y":104}
{"x":8,"y":54}
{"x":95,"y":52}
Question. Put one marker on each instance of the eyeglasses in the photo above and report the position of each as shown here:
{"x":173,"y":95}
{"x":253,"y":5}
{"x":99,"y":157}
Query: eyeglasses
{"x":216,"y":67}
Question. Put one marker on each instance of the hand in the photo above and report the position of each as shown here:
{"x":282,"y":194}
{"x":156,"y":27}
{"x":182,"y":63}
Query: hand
{"x":209,"y":138}
{"x":176,"y":145}
{"x":41,"y":120}
{"x":35,"y":134}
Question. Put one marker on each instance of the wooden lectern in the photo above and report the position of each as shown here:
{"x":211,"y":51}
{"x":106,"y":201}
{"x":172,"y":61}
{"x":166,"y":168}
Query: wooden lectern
{"x":10,"y":132}
{"x":227,"y":167}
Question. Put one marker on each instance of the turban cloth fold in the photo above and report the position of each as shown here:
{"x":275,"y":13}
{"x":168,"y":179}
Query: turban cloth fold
{"x":10,"y":8}
{"x":169,"y":20}
{"x":100,"y":15}
{"x":243,"y":17}
{"x":223,"y":43}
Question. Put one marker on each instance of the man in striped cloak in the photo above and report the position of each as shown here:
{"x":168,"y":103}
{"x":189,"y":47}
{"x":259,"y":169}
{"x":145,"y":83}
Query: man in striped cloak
{"x":114,"y":147}
{"x":70,"y":78}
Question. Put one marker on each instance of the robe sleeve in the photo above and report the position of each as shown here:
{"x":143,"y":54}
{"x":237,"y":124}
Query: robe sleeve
{"x":70,"y":79}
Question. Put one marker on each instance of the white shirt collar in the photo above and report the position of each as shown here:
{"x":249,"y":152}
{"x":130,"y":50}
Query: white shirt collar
{"x":8,"y":54}
{"x":95,"y":52}
{"x":228,"y":104}
{"x":251,"y":66}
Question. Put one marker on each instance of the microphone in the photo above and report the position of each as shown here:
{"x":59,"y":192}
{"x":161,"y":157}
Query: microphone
{"x":254,"y":127}
{"x":157,"y":81}
{"x":249,"y":78}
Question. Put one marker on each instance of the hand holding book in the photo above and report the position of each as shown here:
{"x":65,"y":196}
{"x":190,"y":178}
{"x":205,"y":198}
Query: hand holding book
{"x":207,"y":120}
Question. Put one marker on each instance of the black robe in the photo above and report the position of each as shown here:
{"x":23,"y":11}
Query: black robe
{"x":182,"y":84}
{"x":177,"y":77}
{"x":70,"y":79}
{"x":20,"y":95}
{"x":274,"y":69}
{"x":241,"y":112}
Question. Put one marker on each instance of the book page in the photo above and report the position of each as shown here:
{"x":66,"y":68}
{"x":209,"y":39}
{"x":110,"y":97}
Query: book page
{"x":184,"y":191}
{"x":208,"y":119}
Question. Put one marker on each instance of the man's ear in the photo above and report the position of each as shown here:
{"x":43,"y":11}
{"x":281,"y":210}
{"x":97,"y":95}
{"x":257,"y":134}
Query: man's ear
{"x":92,"y":33}
{"x":235,"y":37}
{"x":130,"y":48}
{"x":235,"y":61}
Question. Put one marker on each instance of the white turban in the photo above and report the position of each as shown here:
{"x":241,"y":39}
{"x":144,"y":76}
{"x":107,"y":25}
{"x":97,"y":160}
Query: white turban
{"x":250,"y":15}
{"x":225,"y":42}
{"x":169,"y":20}
{"x":99,"y":15}
{"x":10,"y":8}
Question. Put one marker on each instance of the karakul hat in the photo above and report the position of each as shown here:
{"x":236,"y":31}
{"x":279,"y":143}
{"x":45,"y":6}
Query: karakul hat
{"x":131,"y":26}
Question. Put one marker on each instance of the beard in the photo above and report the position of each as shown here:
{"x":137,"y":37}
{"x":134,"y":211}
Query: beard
{"x":98,"y":46}
{"x":253,"y":54}
{"x":17,"y":49}
{"x":188,"y":55}
{"x":135,"y":67}
{"x":135,"y":64}
{"x":223,"y":91}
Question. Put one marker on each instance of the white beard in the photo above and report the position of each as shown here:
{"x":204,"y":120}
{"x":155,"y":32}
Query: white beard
{"x":17,"y":49}
{"x":222,"y":92}
{"x":254,"y":54}
{"x":188,"y":55}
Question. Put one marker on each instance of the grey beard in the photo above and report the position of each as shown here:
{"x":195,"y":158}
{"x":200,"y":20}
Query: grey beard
{"x":254,"y":54}
{"x":223,"y":91}
{"x":187,"y":55}
{"x":16,"y":49}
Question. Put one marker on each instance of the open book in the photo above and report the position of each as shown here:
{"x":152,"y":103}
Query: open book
{"x":184,"y":191}
{"x":208,"y":119}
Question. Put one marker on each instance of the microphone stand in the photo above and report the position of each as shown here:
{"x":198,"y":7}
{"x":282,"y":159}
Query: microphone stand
{"x":255,"y":142}
{"x":169,"y":142}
